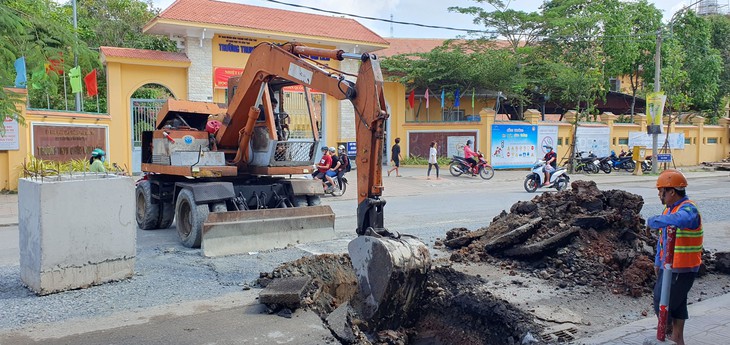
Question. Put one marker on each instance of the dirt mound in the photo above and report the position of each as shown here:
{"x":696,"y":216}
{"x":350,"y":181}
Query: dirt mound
{"x":582,"y":236}
{"x":455,"y":308}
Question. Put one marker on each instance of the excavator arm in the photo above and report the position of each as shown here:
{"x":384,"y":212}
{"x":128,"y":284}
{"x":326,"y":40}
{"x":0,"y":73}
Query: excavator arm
{"x":268,"y":61}
{"x":391,"y":268}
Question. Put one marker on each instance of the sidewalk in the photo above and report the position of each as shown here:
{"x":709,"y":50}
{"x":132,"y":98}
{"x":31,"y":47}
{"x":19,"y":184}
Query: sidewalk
{"x":708,"y":324}
{"x":8,"y":209}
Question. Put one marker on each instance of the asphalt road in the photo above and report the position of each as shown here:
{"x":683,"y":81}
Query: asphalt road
{"x":416,"y":206}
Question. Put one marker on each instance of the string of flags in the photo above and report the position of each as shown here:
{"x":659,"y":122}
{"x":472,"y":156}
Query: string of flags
{"x":74,"y":74}
{"x":457,"y":98}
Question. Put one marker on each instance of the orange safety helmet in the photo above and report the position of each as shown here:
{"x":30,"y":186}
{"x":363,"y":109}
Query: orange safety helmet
{"x":671,"y":178}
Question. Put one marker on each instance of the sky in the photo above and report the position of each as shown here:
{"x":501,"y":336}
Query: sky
{"x":431,"y":12}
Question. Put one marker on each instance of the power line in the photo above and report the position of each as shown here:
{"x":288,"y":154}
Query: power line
{"x":391,"y":21}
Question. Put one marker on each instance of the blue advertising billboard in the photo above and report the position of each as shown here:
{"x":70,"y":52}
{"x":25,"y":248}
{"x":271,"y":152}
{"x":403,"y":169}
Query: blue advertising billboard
{"x":513,"y":146}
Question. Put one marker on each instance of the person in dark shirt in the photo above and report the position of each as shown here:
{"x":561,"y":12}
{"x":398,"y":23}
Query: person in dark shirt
{"x":395,"y":157}
{"x":550,"y":163}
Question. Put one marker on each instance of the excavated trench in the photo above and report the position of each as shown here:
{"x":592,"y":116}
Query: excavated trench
{"x":455,"y":308}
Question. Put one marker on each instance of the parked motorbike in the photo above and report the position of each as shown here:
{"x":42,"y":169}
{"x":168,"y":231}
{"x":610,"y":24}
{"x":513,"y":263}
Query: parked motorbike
{"x":646,"y":164}
{"x":605,"y":164}
{"x":339,"y":188}
{"x":559,"y":178}
{"x":623,"y":161}
{"x":588,"y":163}
{"x":459,"y":166}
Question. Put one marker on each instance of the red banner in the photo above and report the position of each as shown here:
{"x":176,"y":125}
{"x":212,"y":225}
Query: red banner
{"x":221,"y":75}
{"x":90,"y":81}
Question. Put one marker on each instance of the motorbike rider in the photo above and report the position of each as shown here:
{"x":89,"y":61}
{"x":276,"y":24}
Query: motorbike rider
{"x":97,"y":161}
{"x":324,"y":164}
{"x":334,"y":168}
{"x":344,"y":163}
{"x":550,"y":163}
{"x":469,"y":155}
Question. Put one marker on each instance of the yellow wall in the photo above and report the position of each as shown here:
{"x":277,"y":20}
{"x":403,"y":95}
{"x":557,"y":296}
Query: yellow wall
{"x":124,"y":76}
{"x":237,"y":56}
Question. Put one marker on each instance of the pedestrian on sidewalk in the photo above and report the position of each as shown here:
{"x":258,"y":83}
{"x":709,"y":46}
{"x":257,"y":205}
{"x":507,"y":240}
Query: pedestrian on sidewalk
{"x":395,"y":157}
{"x":682,"y":213}
{"x":433,"y":160}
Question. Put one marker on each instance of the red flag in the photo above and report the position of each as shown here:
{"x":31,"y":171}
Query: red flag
{"x":412,"y":98}
{"x":90,"y":82}
{"x":55,"y":64}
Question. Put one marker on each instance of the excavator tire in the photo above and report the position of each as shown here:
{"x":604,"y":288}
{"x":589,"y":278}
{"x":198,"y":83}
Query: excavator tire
{"x":391,"y":274}
{"x":190,"y":218}
{"x":167,"y":215}
{"x":148,"y":213}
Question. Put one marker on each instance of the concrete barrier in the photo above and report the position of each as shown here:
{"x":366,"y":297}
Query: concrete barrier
{"x":76,"y":231}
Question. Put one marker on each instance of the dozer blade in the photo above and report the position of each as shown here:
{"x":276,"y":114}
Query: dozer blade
{"x":391,"y":277}
{"x":238,"y":232}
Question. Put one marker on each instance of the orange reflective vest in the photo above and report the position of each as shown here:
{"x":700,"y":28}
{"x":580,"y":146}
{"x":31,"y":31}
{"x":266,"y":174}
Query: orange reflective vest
{"x":687,"y":244}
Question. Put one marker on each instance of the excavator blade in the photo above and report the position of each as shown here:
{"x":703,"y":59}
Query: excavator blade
{"x":391,"y":275}
{"x":238,"y":232}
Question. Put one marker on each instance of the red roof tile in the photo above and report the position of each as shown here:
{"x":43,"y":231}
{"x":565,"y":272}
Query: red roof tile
{"x":143,"y":54}
{"x":270,"y":19}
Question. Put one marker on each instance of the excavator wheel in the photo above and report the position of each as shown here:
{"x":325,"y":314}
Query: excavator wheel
{"x":148,"y":213}
{"x":167,"y":215}
{"x":190,"y":218}
{"x":391,"y":275}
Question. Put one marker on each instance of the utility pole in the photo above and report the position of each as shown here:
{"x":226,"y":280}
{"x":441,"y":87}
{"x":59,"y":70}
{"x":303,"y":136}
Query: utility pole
{"x":657,"y":87}
{"x":76,"y":54}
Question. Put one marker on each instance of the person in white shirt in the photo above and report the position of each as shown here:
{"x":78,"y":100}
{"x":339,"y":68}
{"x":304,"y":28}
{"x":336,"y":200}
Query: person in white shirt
{"x":433,"y":161}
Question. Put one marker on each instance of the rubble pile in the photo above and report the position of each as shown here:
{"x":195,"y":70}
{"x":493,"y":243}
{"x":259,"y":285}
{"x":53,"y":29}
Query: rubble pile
{"x":582,"y":236}
{"x":456,"y":308}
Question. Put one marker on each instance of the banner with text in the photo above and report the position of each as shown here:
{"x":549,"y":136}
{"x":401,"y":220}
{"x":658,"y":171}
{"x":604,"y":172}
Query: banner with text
{"x":221,"y":75}
{"x":655,"y":107}
{"x":514,"y":146}
{"x":593,"y":139}
{"x":10,"y":140}
{"x":676,"y":140}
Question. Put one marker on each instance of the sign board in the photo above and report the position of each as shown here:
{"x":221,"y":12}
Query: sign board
{"x":514,"y":146}
{"x":676,"y":140}
{"x":221,"y":75}
{"x":547,"y":135}
{"x":351,"y":148}
{"x":639,"y":153}
{"x":10,"y":140}
{"x":664,"y":157}
{"x":593,"y":139}
{"x":455,"y":144}
{"x":655,"y":108}
{"x":64,"y":142}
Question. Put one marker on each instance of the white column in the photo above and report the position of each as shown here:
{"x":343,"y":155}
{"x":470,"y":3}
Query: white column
{"x":200,"y":72}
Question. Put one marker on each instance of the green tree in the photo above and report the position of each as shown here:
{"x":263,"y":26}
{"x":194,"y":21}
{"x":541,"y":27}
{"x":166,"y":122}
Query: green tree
{"x":720,"y":40}
{"x":630,"y":41}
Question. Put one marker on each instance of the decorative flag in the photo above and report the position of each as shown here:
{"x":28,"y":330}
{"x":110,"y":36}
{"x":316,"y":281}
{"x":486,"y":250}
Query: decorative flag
{"x":75,"y":76}
{"x":472,"y":98}
{"x":412,"y":98}
{"x":37,"y":79}
{"x":90,"y":83}
{"x":443,"y":96}
{"x":426,"y":96}
{"x":457,"y":98}
{"x":20,"y":78}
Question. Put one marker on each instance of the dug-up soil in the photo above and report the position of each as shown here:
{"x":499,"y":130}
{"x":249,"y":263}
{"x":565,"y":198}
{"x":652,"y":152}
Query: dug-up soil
{"x":551,"y":270}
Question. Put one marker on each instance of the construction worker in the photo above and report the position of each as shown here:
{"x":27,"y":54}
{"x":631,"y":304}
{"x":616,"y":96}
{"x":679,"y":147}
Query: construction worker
{"x":97,"y":161}
{"x":683,"y":214}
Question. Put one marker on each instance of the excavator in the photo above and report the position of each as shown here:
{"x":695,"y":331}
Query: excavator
{"x":233,"y":177}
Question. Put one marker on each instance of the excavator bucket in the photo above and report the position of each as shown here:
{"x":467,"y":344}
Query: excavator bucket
{"x":391,"y":275}
{"x":238,"y":232}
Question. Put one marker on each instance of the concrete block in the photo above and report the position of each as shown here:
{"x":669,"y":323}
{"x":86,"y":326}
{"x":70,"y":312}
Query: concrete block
{"x":76,"y":231}
{"x":286,"y":292}
{"x":340,"y":323}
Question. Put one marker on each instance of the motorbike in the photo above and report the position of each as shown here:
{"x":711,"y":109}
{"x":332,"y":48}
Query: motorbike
{"x":623,"y":161}
{"x":605,"y":164}
{"x":339,"y":189}
{"x":559,"y":178}
{"x":646,"y":164}
{"x":588,"y":163}
{"x":459,"y":166}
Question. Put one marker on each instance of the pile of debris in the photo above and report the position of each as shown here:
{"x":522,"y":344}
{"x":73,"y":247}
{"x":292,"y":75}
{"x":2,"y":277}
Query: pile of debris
{"x":582,"y":236}
{"x":721,"y":165}
{"x":455,"y":308}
